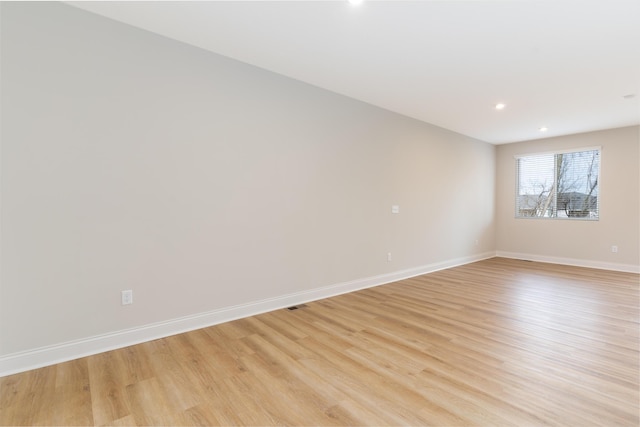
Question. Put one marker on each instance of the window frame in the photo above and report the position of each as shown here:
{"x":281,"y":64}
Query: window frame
{"x":517,"y":209}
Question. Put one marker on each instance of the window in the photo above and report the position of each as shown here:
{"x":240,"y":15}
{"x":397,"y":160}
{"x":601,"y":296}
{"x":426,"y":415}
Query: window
{"x":558,"y":185}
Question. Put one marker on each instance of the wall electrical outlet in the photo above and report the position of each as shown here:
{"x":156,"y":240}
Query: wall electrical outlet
{"x":127,"y":297}
{"x":388,"y":256}
{"x":614,"y":249}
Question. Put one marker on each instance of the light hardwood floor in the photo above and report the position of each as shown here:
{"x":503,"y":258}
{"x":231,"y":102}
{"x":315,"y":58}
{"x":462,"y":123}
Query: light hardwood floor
{"x":498,"y":342}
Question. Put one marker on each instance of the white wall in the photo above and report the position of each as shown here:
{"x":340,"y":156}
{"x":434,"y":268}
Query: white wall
{"x":131,"y":161}
{"x":586,"y":243}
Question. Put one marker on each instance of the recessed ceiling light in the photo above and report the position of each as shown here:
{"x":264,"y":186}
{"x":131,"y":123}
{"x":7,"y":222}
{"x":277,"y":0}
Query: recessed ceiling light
{"x":543,"y":129}
{"x":355,"y":2}
{"x":500,"y":106}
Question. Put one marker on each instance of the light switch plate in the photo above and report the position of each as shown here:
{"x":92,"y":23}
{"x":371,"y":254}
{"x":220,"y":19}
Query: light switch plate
{"x":127,"y":297}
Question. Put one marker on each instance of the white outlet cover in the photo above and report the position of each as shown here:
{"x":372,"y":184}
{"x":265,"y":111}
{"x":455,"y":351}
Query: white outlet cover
{"x":127,"y":297}
{"x":395,"y":209}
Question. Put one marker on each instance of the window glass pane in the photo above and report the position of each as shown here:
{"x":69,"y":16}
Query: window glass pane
{"x":578,"y":184}
{"x":535,"y":185}
{"x":561,"y":185}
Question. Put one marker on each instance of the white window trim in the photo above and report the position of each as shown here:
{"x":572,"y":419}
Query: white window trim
{"x":564,"y":151}
{"x":545,"y":153}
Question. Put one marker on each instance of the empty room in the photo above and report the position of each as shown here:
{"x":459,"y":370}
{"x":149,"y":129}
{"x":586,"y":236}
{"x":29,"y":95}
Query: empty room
{"x":320,"y":213}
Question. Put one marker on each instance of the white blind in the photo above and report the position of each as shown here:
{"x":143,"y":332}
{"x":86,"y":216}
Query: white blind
{"x":558,"y":185}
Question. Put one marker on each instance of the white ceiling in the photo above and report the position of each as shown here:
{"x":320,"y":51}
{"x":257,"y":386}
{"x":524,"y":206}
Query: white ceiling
{"x":563,"y":64}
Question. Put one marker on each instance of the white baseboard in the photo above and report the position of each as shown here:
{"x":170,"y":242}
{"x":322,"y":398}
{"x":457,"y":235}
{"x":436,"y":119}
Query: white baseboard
{"x":45,"y":356}
{"x":627,"y":268}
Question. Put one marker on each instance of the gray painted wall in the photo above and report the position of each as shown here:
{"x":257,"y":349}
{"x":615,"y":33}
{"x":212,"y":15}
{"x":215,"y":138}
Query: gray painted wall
{"x":575,"y":241}
{"x":131,"y":161}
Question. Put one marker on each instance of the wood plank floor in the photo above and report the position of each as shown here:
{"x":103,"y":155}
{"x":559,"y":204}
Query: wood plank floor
{"x":497,"y":342}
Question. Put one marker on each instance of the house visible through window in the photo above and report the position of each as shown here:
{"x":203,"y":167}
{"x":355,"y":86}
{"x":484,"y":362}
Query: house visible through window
{"x":558,"y":185}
